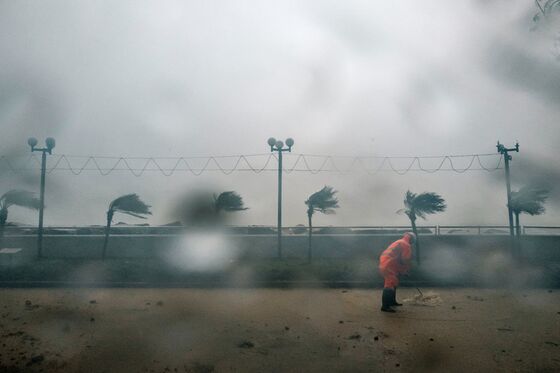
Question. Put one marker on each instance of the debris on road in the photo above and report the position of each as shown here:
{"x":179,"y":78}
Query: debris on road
{"x":246,"y":344}
{"x":430,"y":299}
{"x":30,"y":306}
{"x":478,"y":299}
{"x":36,"y":360}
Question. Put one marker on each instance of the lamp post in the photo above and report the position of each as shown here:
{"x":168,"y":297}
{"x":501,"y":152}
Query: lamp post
{"x":50,"y":143}
{"x":505,"y":152}
{"x":278,"y":146}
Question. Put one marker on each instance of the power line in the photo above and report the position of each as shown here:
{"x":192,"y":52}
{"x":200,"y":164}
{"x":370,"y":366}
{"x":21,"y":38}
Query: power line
{"x":256,"y":163}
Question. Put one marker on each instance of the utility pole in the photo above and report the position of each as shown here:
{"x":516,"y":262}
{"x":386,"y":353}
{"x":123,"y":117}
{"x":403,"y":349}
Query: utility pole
{"x":50,"y":143}
{"x":279,"y":147}
{"x":505,"y":152}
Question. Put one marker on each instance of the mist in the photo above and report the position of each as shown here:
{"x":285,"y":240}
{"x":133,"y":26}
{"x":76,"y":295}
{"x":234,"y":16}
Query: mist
{"x":191,"y":79}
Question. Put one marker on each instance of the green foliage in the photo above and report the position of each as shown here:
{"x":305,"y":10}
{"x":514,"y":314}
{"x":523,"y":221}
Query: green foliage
{"x":130,"y":204}
{"x":546,"y":9}
{"x":323,"y":201}
{"x":420,"y":205}
{"x":529,"y":200}
{"x":20,"y":198}
{"x":16,"y":198}
{"x":228,"y":201}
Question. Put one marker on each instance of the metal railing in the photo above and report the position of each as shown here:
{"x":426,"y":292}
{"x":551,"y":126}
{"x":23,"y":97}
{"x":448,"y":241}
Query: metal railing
{"x":431,"y":230}
{"x":533,"y":230}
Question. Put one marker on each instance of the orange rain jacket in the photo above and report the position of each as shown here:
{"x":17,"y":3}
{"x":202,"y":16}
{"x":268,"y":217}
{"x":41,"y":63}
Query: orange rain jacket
{"x":395,"y":260}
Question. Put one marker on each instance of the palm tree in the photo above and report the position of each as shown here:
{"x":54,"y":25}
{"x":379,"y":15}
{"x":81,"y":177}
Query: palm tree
{"x":228,"y":201}
{"x":547,"y":9}
{"x":420,"y":205}
{"x":323,"y":201}
{"x":16,"y":197}
{"x":200,"y":208}
{"x":530,"y":200}
{"x":129,"y":204}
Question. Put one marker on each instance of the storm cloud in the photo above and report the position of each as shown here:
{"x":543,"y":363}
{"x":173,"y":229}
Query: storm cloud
{"x":175,"y":78}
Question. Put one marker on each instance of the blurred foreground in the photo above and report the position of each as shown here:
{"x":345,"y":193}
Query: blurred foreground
{"x":257,"y":330}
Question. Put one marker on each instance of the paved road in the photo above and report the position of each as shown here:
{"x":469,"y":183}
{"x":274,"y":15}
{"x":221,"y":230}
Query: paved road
{"x":275,"y":330}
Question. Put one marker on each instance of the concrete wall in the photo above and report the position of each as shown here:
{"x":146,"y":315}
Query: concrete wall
{"x":325,"y":246}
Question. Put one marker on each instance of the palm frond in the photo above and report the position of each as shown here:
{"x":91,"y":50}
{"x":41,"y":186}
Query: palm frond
{"x":229,"y":201}
{"x":20,"y":198}
{"x":133,"y":214}
{"x":420,"y":205}
{"x":529,"y":199}
{"x":409,"y":200}
{"x":130,"y":204}
{"x":429,"y":203}
{"x":323,"y":201}
{"x":408,"y":205}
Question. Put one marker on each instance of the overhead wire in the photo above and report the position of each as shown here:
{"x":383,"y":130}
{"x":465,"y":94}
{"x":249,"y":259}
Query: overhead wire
{"x":256,"y":163}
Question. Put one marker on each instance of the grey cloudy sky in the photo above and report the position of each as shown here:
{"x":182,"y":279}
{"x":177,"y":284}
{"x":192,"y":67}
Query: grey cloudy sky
{"x":179,"y":78}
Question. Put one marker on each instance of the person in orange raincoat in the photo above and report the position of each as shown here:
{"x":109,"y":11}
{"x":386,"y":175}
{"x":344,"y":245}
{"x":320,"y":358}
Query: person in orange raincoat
{"x":395,"y":260}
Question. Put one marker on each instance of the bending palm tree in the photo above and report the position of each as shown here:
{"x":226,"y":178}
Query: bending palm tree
{"x":228,"y":201}
{"x":420,"y":205}
{"x":20,"y":198}
{"x":529,"y":200}
{"x":323,"y":201}
{"x":202,"y":209}
{"x":128,"y":204}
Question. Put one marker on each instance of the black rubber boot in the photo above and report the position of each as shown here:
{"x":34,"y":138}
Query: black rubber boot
{"x":386,"y":300}
{"x":394,"y":299}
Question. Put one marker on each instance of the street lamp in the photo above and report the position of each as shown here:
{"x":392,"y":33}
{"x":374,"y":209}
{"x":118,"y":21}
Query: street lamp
{"x":50,"y":143}
{"x":505,"y":152}
{"x":278,"y":146}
